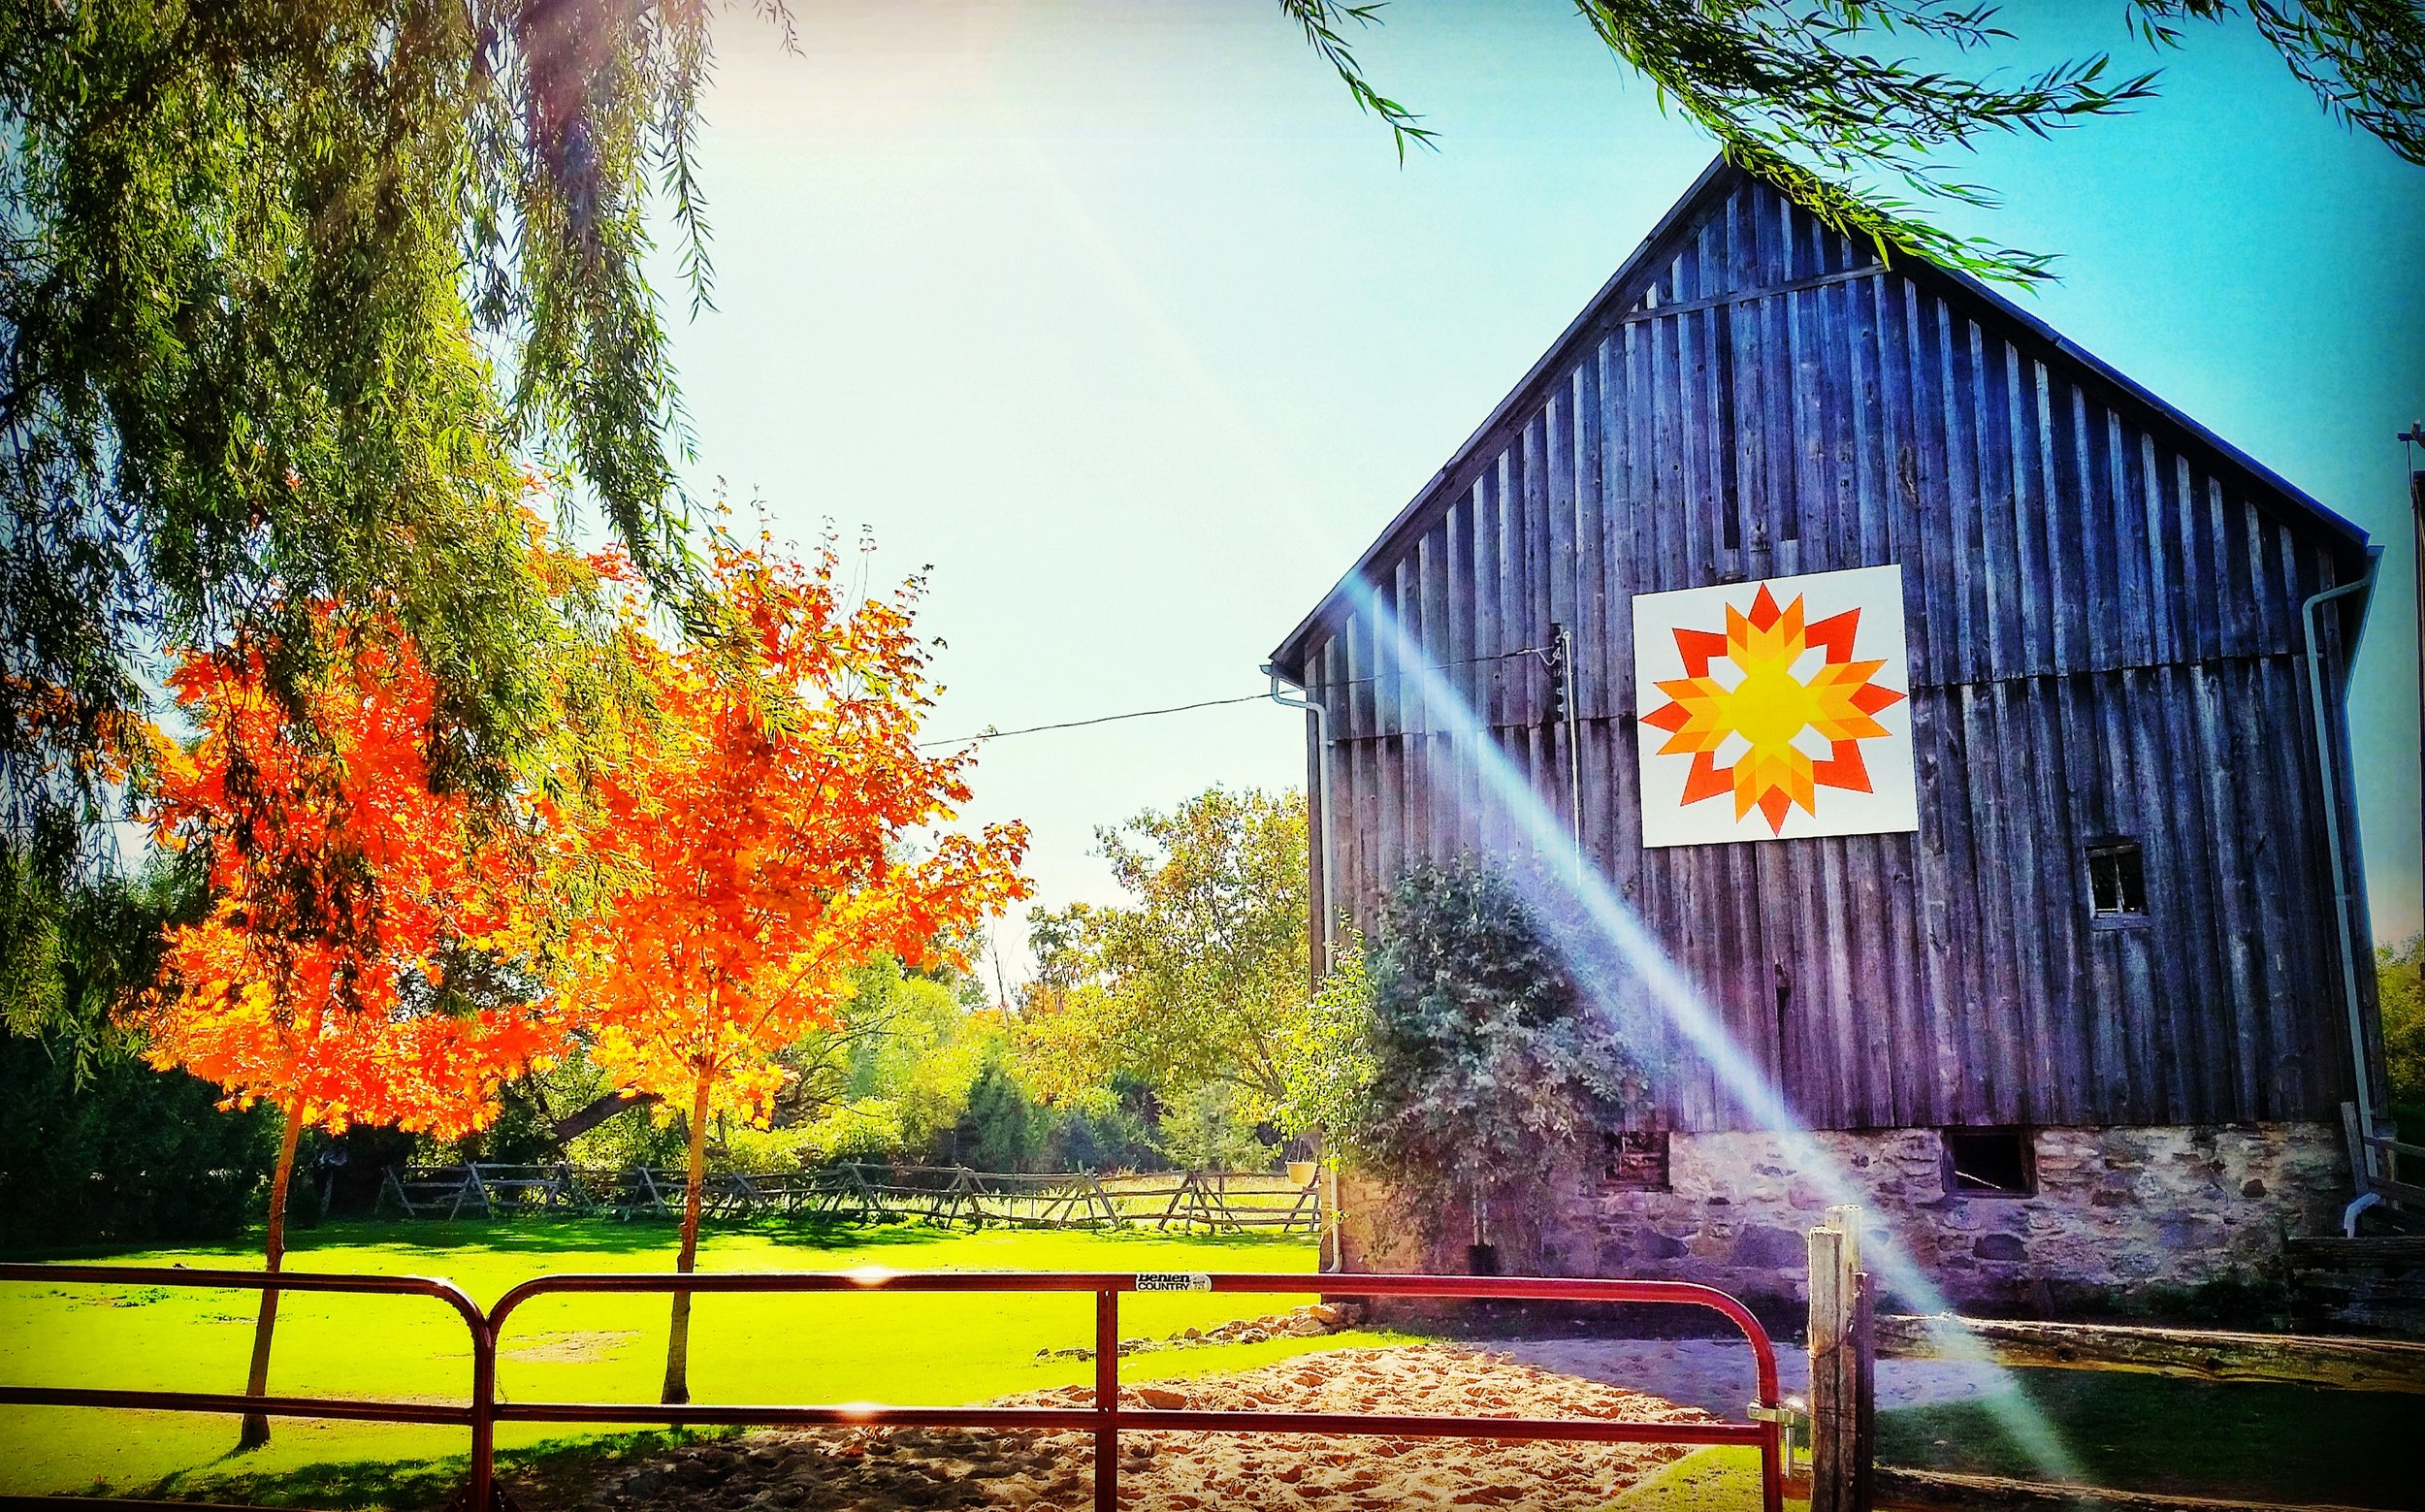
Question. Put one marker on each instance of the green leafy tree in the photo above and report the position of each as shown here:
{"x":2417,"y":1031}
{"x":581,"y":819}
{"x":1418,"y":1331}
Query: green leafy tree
{"x":914,"y":1067}
{"x":1201,"y":1129}
{"x":637,"y":1133}
{"x":97,"y":1147}
{"x":1327,"y":1060}
{"x":1809,"y":95}
{"x":2398,"y":968}
{"x":1492,"y":1048}
{"x":894,"y":1076}
{"x":294,"y":296}
{"x":78,"y":950}
{"x":1002,"y":1128}
{"x":116,"y":1152}
{"x":1201,"y":979}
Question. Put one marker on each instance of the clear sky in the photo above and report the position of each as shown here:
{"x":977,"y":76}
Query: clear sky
{"x":1124,"y":318}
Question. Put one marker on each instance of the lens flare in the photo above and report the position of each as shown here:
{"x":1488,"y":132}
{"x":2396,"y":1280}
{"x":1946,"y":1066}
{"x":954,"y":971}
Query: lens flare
{"x":1603,"y":930}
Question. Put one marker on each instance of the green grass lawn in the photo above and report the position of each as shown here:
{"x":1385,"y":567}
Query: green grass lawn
{"x":903,"y":1348}
{"x":1721,"y":1478}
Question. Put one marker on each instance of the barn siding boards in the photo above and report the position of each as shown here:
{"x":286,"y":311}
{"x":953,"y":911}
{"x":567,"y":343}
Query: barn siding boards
{"x":1440,"y":714}
{"x":1590,"y":627}
{"x":1461,"y":677}
{"x":2102,"y":612}
{"x":1482,"y":591}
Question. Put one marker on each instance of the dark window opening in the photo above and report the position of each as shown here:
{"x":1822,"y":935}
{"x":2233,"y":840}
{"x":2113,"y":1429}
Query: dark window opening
{"x":2117,"y":880}
{"x":1989,"y":1162}
{"x":1637,"y":1160}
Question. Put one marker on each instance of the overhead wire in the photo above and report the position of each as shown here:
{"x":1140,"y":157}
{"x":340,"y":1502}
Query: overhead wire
{"x":1101,"y":718}
{"x":1215,"y":703}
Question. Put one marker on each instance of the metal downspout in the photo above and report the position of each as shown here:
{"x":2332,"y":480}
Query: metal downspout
{"x":2329,"y":769}
{"x":1334,"y":1258}
{"x":1326,"y":920}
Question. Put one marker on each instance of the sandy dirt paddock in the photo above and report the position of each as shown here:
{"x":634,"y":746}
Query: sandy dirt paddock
{"x":880,"y":1470}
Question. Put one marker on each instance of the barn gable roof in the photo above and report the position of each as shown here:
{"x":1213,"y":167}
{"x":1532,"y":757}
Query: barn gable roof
{"x":1626,"y":289}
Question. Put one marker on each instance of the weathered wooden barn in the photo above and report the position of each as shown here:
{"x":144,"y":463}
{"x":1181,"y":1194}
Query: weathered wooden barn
{"x":2090,"y":1024}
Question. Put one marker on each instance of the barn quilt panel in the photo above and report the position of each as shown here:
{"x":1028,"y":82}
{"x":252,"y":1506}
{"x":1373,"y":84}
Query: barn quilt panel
{"x":1775,"y":710}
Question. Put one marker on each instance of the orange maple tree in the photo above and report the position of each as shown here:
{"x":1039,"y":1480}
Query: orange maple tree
{"x":366,"y":957}
{"x":773,"y":826}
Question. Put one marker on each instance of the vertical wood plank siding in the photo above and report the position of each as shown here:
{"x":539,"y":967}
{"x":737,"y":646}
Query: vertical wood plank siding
{"x":2104,"y":640}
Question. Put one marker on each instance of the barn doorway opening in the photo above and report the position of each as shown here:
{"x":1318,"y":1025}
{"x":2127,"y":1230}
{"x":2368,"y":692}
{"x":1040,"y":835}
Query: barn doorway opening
{"x":1989,"y":1162}
{"x":1637,"y":1160}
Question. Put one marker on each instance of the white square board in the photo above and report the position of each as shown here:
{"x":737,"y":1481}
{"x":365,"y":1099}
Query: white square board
{"x":1775,"y":710}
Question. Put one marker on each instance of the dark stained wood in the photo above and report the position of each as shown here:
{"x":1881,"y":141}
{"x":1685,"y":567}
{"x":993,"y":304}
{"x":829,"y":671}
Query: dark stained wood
{"x":2102,"y":610}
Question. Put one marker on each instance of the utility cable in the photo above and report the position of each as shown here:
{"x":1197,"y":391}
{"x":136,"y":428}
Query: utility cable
{"x":1102,"y":719}
{"x":1217,"y":703}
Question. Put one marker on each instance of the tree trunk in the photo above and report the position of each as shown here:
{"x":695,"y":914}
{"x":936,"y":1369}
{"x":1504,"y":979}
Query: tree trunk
{"x":1328,"y":1256}
{"x":678,"y":1335}
{"x":255,"y":1430}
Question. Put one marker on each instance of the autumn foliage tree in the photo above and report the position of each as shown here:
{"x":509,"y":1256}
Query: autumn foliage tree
{"x":769,"y":826}
{"x":366,"y":957}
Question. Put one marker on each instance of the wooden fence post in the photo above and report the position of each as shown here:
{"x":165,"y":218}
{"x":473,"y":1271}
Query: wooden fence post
{"x":392,"y":1184}
{"x":1842,"y":1367}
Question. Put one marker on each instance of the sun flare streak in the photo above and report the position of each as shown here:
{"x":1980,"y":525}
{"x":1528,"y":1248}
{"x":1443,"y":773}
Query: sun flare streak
{"x":1611,"y":930}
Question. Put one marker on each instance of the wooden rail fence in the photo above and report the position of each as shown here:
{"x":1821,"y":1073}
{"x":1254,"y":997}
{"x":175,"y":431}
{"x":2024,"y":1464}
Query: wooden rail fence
{"x":860,"y":1192}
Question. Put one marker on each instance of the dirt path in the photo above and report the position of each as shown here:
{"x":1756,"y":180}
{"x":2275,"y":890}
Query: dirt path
{"x":880,"y":1471}
{"x":1717,"y":1373}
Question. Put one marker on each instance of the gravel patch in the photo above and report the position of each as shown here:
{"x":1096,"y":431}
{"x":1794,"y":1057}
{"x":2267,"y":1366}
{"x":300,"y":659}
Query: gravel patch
{"x":1716,"y":1374}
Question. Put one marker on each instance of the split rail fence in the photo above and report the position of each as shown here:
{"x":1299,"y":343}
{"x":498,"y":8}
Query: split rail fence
{"x":948,"y":1196}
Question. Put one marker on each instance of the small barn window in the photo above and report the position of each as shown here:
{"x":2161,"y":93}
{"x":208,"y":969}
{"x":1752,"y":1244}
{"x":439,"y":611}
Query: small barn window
{"x":2118,"y":881}
{"x":1989,"y":1162}
{"x":1637,"y":1160}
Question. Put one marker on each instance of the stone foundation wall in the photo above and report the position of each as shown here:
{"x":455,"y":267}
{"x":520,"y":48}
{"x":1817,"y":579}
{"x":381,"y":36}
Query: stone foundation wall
{"x":2119,"y":1215}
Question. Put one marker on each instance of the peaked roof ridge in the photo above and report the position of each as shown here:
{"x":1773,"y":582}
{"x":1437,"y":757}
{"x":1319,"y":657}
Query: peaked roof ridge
{"x":1639,"y":270}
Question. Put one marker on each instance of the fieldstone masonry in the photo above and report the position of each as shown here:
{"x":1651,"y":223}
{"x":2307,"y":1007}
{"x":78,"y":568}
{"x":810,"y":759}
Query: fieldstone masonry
{"x":2119,"y":1215}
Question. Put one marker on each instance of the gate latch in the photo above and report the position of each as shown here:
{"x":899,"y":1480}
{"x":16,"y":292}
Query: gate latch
{"x":1792,"y":1417}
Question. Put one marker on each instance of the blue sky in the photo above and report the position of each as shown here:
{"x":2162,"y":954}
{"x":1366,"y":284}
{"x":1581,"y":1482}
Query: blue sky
{"x":1127,"y":322}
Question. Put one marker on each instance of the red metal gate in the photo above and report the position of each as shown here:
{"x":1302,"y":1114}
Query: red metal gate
{"x":477,"y":1413}
{"x":1106,"y":1419}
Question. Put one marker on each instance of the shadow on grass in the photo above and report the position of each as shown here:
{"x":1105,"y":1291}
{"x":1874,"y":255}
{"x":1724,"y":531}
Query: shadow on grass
{"x":554,"y":1474}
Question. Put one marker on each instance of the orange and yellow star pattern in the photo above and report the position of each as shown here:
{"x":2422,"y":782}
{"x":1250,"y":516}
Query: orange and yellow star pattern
{"x":1770,"y":711}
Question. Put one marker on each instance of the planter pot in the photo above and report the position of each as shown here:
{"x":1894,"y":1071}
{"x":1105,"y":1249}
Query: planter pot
{"x":1301,"y":1173}
{"x":1481,"y":1259}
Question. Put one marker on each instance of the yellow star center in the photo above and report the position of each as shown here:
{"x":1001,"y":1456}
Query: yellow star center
{"x":1769,"y":708}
